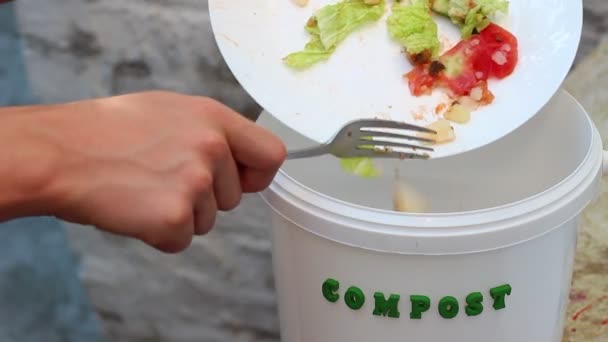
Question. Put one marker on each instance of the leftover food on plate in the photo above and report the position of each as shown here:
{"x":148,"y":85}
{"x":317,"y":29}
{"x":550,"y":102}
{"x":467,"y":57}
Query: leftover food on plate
{"x":486,"y":51}
{"x":330,"y":25}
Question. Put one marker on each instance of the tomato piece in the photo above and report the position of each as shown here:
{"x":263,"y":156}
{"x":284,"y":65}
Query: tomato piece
{"x":459,"y":74}
{"x":469,"y":64}
{"x":420,"y":80}
{"x":499,"y":55}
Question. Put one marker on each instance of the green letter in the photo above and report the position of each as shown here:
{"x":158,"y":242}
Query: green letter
{"x":499,"y":293}
{"x":330,"y":287}
{"x":420,"y":304}
{"x":386,"y":307}
{"x":448,"y":307}
{"x":354,"y":298}
{"x":474,"y":304}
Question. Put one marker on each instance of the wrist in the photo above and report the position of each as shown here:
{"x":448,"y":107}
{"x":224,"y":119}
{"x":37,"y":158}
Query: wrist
{"x":29,"y":165}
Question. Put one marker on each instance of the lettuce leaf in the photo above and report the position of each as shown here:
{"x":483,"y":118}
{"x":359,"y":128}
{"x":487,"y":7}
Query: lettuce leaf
{"x":469,"y":15}
{"x":414,"y":28}
{"x":313,"y":52}
{"x":330,"y":26}
{"x":337,"y":21}
{"x":362,"y":167}
{"x":477,"y":18}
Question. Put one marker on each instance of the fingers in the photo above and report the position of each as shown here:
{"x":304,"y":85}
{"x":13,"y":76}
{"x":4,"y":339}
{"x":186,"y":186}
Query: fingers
{"x":252,"y":145}
{"x":255,"y":147}
{"x":253,"y":180}
{"x":176,"y":243}
{"x":205,"y":213}
{"x":258,"y":153}
{"x":226,"y":183}
{"x":177,"y":229}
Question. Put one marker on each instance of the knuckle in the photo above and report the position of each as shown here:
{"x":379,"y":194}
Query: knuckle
{"x":198,"y":179}
{"x":214,"y":146}
{"x":177,"y":214}
{"x":231,"y":202}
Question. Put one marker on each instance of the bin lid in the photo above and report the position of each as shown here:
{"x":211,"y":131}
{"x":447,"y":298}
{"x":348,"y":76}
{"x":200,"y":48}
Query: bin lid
{"x":364,"y":76}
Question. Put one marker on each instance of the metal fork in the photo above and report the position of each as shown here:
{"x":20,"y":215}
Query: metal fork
{"x":361,"y":138}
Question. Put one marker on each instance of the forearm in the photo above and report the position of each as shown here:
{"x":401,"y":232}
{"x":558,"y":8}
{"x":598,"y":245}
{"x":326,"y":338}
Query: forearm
{"x":28,"y":164}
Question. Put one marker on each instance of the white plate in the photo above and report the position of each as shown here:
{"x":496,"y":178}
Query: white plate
{"x":363,"y":78}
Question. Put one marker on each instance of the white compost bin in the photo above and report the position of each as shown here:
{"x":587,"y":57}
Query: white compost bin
{"x":490,"y":262}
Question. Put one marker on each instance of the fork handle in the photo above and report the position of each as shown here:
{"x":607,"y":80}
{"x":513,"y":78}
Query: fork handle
{"x":308,"y":152}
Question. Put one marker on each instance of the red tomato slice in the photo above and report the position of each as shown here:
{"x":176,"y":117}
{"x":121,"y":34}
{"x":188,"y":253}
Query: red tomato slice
{"x":459,"y":75}
{"x":420,"y":80}
{"x":500,"y":53}
{"x":492,"y":53}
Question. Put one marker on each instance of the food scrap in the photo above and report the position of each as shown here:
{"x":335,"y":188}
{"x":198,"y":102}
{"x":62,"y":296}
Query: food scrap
{"x":441,"y":108}
{"x":301,"y":3}
{"x":444,"y":130}
{"x":469,"y":16}
{"x":465,"y":69}
{"x":458,"y":113}
{"x":412,"y":26}
{"x":406,"y":198}
{"x":362,"y":167}
{"x":330,"y":25}
{"x":487,"y":51}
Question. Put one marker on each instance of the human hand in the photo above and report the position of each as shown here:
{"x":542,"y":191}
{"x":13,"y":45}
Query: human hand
{"x":156,"y":166}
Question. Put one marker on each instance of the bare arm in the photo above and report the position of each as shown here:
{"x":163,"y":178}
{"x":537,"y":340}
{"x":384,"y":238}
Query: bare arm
{"x":155,"y":166}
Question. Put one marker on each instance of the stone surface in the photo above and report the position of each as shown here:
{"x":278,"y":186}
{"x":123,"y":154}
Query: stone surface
{"x":221,"y":288}
{"x":87,"y":48}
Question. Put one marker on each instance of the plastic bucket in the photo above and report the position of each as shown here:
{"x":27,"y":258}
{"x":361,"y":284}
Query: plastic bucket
{"x":491,"y":262}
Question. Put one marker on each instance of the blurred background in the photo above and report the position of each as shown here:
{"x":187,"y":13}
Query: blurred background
{"x":221,"y":289}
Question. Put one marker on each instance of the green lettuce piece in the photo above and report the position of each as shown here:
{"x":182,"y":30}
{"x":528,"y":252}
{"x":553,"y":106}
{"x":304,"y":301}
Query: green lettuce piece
{"x":470,"y":18}
{"x":477,"y":18}
{"x":337,"y":21}
{"x":441,"y":6}
{"x":313,"y":52}
{"x":331,"y":25}
{"x":362,"y":167}
{"x":414,"y":28}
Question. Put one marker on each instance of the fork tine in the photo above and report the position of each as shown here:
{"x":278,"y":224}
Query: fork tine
{"x":382,"y":143}
{"x":378,"y":123}
{"x":366,"y":152}
{"x":378,"y":134}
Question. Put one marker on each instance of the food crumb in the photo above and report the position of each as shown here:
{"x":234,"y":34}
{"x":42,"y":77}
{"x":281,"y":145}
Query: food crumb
{"x":420,"y":113}
{"x":417,"y":116}
{"x":406,"y":198}
{"x":445,"y":43}
{"x":441,"y":108}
